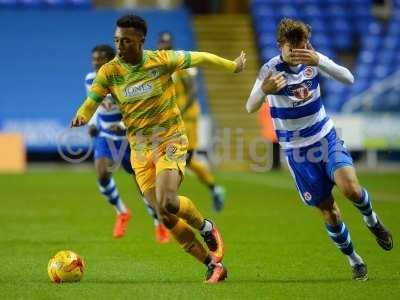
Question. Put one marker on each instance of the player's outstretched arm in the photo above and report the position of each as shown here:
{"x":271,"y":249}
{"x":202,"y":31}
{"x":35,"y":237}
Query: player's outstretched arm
{"x":205,"y":59}
{"x":85,"y":112}
{"x":98,"y":91}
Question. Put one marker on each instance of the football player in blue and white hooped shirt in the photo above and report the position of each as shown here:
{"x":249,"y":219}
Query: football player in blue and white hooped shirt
{"x":111,"y":147}
{"x":316,"y":156}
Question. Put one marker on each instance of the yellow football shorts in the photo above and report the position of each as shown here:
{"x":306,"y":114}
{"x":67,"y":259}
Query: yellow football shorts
{"x":148,"y":163}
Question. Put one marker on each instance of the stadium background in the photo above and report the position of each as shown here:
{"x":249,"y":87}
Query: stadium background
{"x":45,"y":54}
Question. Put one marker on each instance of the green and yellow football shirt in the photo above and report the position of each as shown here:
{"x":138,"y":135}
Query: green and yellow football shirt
{"x":146,"y":93}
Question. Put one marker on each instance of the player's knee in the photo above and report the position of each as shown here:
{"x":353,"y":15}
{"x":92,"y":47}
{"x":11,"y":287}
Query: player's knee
{"x":166,"y":219}
{"x":333,"y":216}
{"x":103,"y":176}
{"x":352,"y":191}
{"x":102,"y":173}
{"x":330,"y":212}
{"x":168,"y":201}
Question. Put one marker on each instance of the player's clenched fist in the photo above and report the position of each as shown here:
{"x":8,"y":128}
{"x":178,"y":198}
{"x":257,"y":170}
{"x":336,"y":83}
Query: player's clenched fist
{"x":273,"y":84}
{"x":78,"y":121}
{"x":240,"y":62}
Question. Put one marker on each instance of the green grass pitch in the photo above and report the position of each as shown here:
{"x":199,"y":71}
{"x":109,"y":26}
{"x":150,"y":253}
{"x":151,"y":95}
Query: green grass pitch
{"x":276,"y":247}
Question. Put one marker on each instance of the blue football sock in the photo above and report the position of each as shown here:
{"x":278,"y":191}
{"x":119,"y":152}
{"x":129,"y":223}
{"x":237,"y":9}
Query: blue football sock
{"x":365,"y":207}
{"x":151,"y":211}
{"x":109,"y":189}
{"x":341,"y":237}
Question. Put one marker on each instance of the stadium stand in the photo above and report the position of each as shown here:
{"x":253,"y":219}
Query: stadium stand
{"x":29,"y":4}
{"x":45,"y":76}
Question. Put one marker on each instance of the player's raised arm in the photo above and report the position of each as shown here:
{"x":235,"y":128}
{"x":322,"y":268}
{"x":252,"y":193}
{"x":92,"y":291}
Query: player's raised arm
{"x":98,"y":91}
{"x":335,"y":71}
{"x":327,"y":67}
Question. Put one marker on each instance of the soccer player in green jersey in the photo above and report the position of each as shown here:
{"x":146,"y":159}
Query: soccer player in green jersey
{"x":140,"y":82}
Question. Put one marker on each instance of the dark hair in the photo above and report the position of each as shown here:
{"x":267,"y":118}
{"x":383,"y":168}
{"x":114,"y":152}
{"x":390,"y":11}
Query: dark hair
{"x":293,"y":31}
{"x":132,"y":21}
{"x":107,"y":49}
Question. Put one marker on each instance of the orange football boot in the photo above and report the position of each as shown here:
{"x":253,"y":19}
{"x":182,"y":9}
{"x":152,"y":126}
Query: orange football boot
{"x":162,"y":234}
{"x":121,"y":224}
{"x":216,"y":273}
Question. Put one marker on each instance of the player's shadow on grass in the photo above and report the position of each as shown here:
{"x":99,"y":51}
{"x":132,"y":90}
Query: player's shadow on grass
{"x":306,"y":280}
{"x":234,"y":281}
{"x":133,"y":281}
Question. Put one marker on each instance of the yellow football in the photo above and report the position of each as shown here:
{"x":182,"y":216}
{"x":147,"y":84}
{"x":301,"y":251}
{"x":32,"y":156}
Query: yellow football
{"x":66,"y":266}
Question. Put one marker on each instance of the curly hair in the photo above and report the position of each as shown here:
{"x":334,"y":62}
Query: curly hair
{"x":292,"y":31}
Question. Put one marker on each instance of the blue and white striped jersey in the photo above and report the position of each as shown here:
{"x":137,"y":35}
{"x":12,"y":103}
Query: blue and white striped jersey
{"x":297,"y":111}
{"x":107,"y":114}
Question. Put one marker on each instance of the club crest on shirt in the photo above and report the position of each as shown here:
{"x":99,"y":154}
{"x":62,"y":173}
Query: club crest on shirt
{"x":308,"y":72}
{"x":153,"y":73}
{"x":301,"y":92}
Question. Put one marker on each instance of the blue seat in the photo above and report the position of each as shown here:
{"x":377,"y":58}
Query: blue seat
{"x":342,"y":42}
{"x":257,"y":3}
{"x":267,"y":41}
{"x":380,"y":72}
{"x":375,"y":28}
{"x":332,"y":103}
{"x":391,"y":42}
{"x":360,"y":10}
{"x":264,"y":12}
{"x":55,"y":3}
{"x":362,"y":2}
{"x":8,"y":2}
{"x":288,"y":11}
{"x":336,"y":11}
{"x":30,"y":3}
{"x":268,"y":53}
{"x":266,"y":25}
{"x":371,"y":42}
{"x":79,"y":3}
{"x":367,"y":57}
{"x":361,"y":25}
{"x":318,"y":25}
{"x":327,"y":52}
{"x":320,"y":40}
{"x":340,"y":25}
{"x":312,"y":12}
{"x":359,"y":86}
{"x":364,"y":71}
{"x":386,"y":55}
{"x":335,"y":2}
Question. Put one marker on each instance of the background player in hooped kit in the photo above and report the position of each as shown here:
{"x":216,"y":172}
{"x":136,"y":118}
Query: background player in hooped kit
{"x":111,"y":148}
{"x":140,"y":82}
{"x":186,"y":98}
{"x":316,"y":156}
